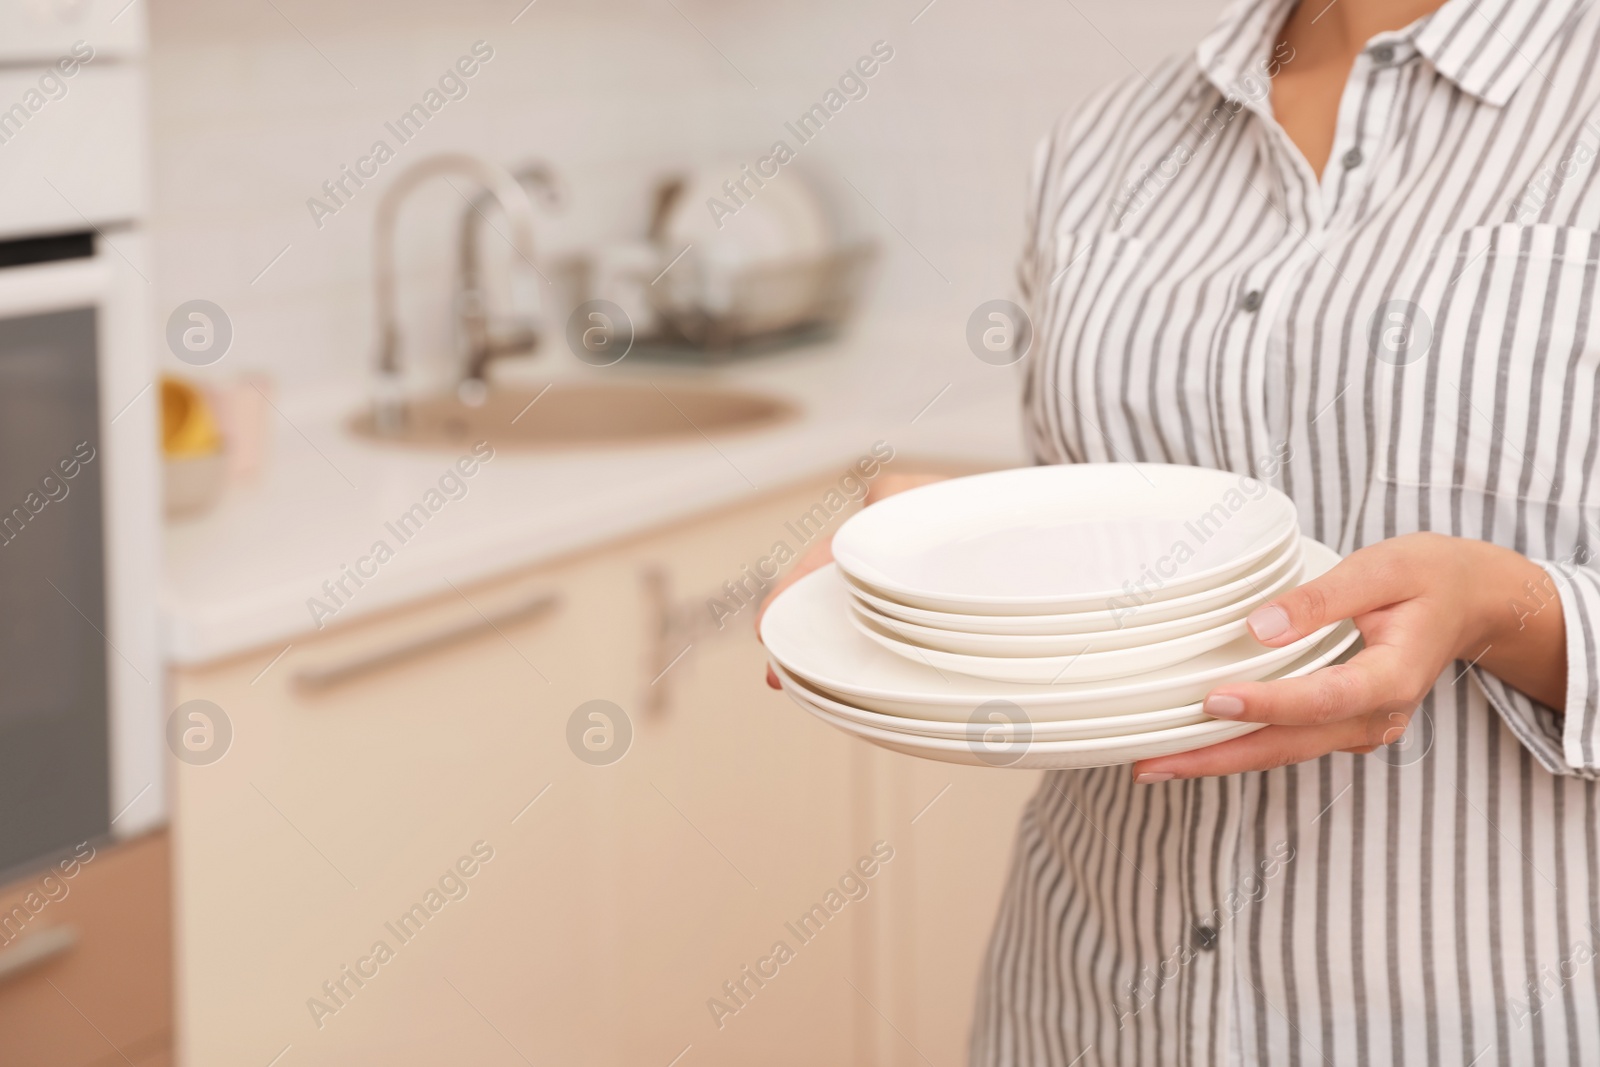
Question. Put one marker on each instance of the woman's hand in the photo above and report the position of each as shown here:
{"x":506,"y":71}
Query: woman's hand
{"x":821,"y":554}
{"x":1421,"y":602}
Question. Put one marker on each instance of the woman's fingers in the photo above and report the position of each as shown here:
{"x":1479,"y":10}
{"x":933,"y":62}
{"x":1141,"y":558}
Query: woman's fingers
{"x":772,"y":679}
{"x":1377,"y":676}
{"x":1395,"y":591}
{"x":1266,"y":749}
{"x":1364,"y":581}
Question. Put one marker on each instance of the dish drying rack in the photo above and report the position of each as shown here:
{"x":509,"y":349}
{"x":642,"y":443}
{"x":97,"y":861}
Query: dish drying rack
{"x":751,"y":318}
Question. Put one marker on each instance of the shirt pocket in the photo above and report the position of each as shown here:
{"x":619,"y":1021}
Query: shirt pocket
{"x":1485,"y":382}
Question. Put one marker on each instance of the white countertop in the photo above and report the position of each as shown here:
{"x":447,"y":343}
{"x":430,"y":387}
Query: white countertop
{"x":240,"y":577}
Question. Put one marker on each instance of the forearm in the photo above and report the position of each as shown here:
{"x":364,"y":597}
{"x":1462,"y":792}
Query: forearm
{"x":1520,"y":631}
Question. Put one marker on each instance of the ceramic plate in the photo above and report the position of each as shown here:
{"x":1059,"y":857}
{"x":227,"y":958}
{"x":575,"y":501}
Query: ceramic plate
{"x":1048,"y":670}
{"x":806,"y":631}
{"x":1128,"y":614}
{"x":1065,"y":730}
{"x":985,"y":644}
{"x":1050,"y":540}
{"x":1084,"y":666}
{"x":1005,"y":745}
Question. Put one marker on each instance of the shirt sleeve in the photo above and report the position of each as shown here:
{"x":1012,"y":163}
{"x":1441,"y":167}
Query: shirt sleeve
{"x":1028,"y":261}
{"x":1563,"y":740}
{"x":1052,"y":158}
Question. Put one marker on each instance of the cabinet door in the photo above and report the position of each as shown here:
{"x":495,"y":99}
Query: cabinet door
{"x":86,"y":958}
{"x":747,"y":812}
{"x":739,"y":821}
{"x":958,"y":825}
{"x":430,"y":806}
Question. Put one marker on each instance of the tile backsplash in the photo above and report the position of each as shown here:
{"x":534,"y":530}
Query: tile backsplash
{"x":254,"y":106}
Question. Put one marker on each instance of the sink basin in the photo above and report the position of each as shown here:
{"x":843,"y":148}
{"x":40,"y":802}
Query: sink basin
{"x":580,"y":415}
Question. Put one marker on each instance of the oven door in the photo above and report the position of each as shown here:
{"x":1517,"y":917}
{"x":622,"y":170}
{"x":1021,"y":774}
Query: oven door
{"x":79,"y":734}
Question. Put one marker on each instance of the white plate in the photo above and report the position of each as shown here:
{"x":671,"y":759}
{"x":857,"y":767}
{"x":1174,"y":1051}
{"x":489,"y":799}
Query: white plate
{"x":1077,"y":644}
{"x":1089,"y":665}
{"x":1005,"y":746}
{"x":1128,"y":612}
{"x":785,"y":223}
{"x":1049,"y":670}
{"x":805,"y":630}
{"x":1065,"y":730}
{"x":1050,"y":540}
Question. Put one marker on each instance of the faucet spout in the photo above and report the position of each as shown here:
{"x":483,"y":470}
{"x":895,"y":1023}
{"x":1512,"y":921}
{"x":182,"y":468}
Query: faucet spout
{"x":485,"y":338}
{"x":494,"y":180}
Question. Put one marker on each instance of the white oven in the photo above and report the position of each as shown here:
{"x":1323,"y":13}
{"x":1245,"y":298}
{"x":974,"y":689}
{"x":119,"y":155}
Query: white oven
{"x":80,"y":679}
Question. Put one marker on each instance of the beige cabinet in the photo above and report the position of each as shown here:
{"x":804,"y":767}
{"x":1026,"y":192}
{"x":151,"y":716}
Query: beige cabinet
{"x":86,"y":958}
{"x":409,"y":854}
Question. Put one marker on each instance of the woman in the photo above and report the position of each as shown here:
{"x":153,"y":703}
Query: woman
{"x":1349,"y":247}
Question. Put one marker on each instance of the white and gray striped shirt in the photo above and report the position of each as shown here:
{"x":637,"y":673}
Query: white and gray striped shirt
{"x":1415,"y":332}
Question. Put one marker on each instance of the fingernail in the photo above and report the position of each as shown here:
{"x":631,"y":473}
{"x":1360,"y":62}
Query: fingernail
{"x":1151,"y":778}
{"x":1223,"y":706}
{"x":1268,"y":622}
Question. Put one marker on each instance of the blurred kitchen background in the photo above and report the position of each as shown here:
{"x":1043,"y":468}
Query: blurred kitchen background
{"x":525,"y":747}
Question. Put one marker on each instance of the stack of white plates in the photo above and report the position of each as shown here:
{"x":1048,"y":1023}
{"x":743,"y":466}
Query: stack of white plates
{"x":1048,"y":617}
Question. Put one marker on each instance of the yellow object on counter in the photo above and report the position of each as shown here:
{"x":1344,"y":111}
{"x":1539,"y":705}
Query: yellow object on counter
{"x":187,"y":425}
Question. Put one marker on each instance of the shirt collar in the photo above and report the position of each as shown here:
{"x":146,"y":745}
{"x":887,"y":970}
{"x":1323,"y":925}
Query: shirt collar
{"x":1486,"y":47}
{"x":1235,"y":54}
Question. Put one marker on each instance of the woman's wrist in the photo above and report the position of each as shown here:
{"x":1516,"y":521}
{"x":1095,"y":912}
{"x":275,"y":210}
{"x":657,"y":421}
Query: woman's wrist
{"x":1496,"y":579}
{"x":1516,"y":630}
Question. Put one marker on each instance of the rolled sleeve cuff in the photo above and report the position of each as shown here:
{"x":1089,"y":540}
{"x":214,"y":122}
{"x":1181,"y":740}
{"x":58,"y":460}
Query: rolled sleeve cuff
{"x":1564,"y":741}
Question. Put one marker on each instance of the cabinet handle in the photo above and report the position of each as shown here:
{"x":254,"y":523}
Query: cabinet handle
{"x":325,"y":675}
{"x":35,"y":948}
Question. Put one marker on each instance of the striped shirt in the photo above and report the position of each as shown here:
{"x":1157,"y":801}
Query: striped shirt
{"x":1408,"y":343}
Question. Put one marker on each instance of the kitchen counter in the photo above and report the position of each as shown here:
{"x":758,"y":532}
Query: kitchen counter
{"x":241,"y":577}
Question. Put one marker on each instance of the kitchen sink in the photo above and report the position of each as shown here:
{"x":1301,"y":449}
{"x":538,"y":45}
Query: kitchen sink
{"x":578,"y":415}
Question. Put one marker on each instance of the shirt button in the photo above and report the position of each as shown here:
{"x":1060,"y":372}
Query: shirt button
{"x":1383,"y":55}
{"x":1205,"y":937}
{"x":1352,"y":159}
{"x":1251,"y":301}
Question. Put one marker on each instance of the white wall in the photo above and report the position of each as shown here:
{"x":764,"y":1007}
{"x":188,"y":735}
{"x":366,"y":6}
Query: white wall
{"x":253,"y":110}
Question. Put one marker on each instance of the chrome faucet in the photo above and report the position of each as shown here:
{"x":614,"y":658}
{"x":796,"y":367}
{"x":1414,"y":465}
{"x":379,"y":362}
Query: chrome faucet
{"x":389,"y":403}
{"x":482,"y":338}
